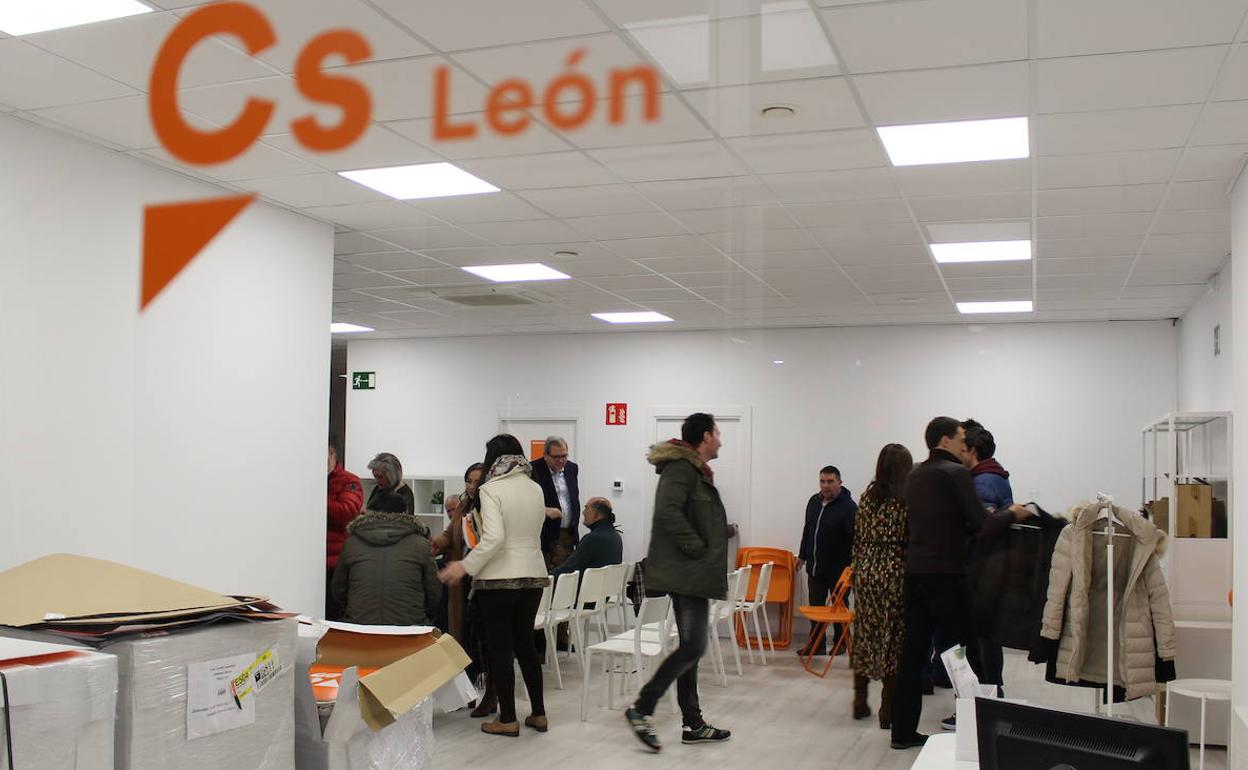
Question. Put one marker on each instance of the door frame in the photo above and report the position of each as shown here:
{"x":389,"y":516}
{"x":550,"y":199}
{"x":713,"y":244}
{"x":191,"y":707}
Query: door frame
{"x":551,"y":414}
{"x":740,"y":414}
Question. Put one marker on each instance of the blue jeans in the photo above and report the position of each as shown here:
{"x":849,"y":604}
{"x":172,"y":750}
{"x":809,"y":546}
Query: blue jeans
{"x":681,"y":666}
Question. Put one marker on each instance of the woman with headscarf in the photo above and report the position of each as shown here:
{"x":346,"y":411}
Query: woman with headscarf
{"x":508,"y":575}
{"x":388,"y":473}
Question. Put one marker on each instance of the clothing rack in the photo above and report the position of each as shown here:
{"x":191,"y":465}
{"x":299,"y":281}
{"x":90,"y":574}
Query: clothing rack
{"x":1105,"y":503}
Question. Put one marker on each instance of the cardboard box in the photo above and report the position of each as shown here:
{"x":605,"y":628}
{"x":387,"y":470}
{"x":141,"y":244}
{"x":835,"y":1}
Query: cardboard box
{"x":382,"y":712}
{"x":63,"y":701}
{"x":1196,"y":515}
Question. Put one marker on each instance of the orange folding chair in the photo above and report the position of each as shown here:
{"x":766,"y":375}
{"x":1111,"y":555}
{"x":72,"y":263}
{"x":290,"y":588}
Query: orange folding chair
{"x":835,"y":612}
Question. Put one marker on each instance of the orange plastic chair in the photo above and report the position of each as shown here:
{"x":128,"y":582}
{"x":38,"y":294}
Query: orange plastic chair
{"x":783,"y":575}
{"x":835,"y":612}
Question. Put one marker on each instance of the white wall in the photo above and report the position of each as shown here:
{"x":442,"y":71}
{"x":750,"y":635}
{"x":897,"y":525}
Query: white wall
{"x":1205,"y":379}
{"x":1239,"y":478}
{"x":1066,"y":403}
{"x":188,"y":440}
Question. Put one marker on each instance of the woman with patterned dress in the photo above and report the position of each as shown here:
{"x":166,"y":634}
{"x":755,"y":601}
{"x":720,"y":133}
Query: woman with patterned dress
{"x":879,"y":574}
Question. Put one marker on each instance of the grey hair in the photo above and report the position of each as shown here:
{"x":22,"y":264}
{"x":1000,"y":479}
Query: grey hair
{"x":555,"y":440}
{"x":390,"y":467}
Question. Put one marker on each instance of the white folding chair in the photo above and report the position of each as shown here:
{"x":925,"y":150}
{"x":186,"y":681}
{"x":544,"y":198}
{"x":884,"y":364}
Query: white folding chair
{"x":626,"y":646}
{"x":738,"y":599}
{"x":594,"y":590}
{"x":721,"y":610}
{"x":619,"y":601}
{"x":559,"y":609}
{"x":756,"y":606}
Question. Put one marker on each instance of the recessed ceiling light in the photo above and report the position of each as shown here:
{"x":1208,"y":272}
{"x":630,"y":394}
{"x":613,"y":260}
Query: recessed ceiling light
{"x":957,"y":142}
{"x":645,"y":317}
{"x":779,"y":111}
{"x":18,"y":17}
{"x":338,"y":327}
{"x":968,"y":308}
{"x":423,"y":180}
{"x":981,"y":251}
{"x":531,"y":271}
{"x":777,"y":362}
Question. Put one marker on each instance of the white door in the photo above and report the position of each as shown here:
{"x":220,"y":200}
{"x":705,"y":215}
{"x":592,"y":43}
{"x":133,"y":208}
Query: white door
{"x":732,"y":473}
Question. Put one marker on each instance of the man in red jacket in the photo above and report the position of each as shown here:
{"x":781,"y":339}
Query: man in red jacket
{"x":345,"y":498}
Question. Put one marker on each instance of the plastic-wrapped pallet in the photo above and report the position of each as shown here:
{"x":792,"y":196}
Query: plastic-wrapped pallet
{"x":408,"y":743}
{"x":154,"y":709}
{"x":62,"y":712}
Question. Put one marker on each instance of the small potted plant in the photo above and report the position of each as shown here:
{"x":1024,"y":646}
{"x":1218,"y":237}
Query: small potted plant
{"x":436,"y":501}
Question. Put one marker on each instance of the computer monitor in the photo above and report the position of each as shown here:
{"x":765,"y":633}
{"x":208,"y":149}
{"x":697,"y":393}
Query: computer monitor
{"x":1017,"y":737}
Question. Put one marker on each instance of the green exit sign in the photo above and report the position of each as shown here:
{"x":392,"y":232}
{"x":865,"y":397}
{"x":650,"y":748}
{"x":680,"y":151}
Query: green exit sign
{"x":364,"y":381}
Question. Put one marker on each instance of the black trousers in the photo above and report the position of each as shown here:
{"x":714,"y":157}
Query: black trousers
{"x":681,"y":667}
{"x":932,"y":602}
{"x":509,"y":615}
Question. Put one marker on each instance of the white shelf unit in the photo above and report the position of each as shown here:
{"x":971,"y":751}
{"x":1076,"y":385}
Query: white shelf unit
{"x":1188,"y":448}
{"x":423,"y":489}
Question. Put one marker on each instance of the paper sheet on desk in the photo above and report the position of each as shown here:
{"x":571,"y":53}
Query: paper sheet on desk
{"x":965,"y":683}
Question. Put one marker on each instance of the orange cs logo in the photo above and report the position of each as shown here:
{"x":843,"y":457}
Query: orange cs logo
{"x":173,"y":234}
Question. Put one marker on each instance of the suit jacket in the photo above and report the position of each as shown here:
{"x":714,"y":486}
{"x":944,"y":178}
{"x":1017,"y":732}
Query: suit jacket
{"x":544,"y":479}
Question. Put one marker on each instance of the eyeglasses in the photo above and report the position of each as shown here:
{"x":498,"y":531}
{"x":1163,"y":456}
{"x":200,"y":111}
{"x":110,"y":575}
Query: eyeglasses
{"x":557,"y":457}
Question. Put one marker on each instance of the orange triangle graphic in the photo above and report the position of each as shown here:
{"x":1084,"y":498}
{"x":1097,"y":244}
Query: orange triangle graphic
{"x":174,"y":233}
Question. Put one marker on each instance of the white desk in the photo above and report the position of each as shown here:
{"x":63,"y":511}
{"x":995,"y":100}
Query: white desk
{"x":938,"y":754}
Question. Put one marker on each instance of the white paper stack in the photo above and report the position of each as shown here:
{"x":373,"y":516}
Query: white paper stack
{"x":62,"y":707}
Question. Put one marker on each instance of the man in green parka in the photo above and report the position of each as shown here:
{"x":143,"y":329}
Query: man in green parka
{"x":688,"y":560}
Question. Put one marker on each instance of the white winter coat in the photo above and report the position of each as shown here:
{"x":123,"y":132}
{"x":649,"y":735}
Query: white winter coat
{"x":1144,"y":623}
{"x":513,"y":510}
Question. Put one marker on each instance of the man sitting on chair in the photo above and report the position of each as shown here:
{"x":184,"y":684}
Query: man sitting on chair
{"x":602,"y":547}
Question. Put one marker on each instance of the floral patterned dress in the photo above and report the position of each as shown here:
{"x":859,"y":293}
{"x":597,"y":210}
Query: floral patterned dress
{"x":880,"y":535}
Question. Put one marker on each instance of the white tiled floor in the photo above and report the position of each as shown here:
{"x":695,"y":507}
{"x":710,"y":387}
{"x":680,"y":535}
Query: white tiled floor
{"x":780,"y":716}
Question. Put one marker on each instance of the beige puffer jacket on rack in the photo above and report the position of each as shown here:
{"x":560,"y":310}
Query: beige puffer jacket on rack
{"x":1144,"y":623}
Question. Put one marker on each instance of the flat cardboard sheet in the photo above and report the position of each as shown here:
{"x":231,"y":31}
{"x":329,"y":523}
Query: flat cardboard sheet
{"x":65,"y":587}
{"x":399,"y":687}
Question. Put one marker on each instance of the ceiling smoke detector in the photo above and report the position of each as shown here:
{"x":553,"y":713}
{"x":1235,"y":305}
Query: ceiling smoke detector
{"x":909,"y":300}
{"x":565,"y":254}
{"x":780,"y":111}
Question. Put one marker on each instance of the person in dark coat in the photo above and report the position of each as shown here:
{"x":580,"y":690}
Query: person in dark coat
{"x":345,"y":499}
{"x":602,"y":547}
{"x":386,"y":575}
{"x":943,"y":515}
{"x":827,"y":543}
{"x":559,"y":479}
{"x":687,"y":559}
{"x":388,"y":473}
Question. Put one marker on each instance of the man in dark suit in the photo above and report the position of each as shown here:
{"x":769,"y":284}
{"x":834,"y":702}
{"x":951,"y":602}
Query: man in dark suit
{"x":558,"y":478}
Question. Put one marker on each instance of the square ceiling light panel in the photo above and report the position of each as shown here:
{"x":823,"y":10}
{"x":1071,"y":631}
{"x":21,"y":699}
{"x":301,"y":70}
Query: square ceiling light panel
{"x":981,"y":251}
{"x":957,"y":142}
{"x":642,"y":317}
{"x":971,"y":308}
{"x":790,"y":38}
{"x":532,"y":271}
{"x":25,"y":17}
{"x":423,"y":180}
{"x":681,"y":45}
{"x":339,"y":327}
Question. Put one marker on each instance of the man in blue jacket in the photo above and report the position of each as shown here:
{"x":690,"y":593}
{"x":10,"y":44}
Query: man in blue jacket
{"x":827,"y":542}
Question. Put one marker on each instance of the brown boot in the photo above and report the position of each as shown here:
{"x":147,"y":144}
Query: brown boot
{"x":537,"y":722}
{"x":861,"y":709}
{"x":510,"y":729}
{"x":488,"y":703}
{"x":886,"y":703}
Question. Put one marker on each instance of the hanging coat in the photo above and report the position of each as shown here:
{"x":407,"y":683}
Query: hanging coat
{"x":1144,"y":638}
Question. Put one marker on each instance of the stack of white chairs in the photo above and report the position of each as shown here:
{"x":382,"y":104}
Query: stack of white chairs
{"x":725,"y":610}
{"x":752,"y":608}
{"x":557,"y":607}
{"x":597,"y":583}
{"x":633,"y":649}
{"x":619,"y":601}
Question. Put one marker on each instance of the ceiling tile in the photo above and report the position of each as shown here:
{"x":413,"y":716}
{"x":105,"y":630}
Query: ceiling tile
{"x":1221,"y":162}
{"x":486,"y":143}
{"x":1107,"y":168}
{"x":828,"y":150}
{"x":616,"y":226}
{"x":957,"y":272}
{"x":1012,"y":284}
{"x":1076,"y":28}
{"x":1222,"y":123}
{"x":876,"y":273}
{"x":1085,"y":281}
{"x":1188,"y":243}
{"x":358,"y":243}
{"x":675,"y":123}
{"x":945,"y":208}
{"x":1116,"y":130}
{"x":48,"y":80}
{"x":588,"y":201}
{"x":421,"y":238}
{"x":962,"y":232}
{"x":821,"y":104}
{"x":958,"y":93}
{"x":767,"y":265}
{"x":881,"y":255}
{"x":1196,"y":195}
{"x":816,"y":186}
{"x":624,"y":12}
{"x":867,"y":235}
{"x":527,"y":172}
{"x":380,"y":215}
{"x":1195,"y":221}
{"x":296,"y":26}
{"x":930,"y":33}
{"x":482,"y":23}
{"x":546,"y":60}
{"x":378,"y":147}
{"x":1233,"y":85}
{"x":1085,"y":265}
{"x":1099,"y":200}
{"x":1069,"y":248}
{"x":737,"y":218}
{"x":766,"y":241}
{"x":996,"y":176}
{"x":467,"y":209}
{"x":259,"y":161}
{"x":667,"y":246}
{"x":1169,"y":277}
{"x":671,"y":161}
{"x":591,"y":268}
{"x":708,"y":263}
{"x":322,"y":189}
{"x":392,"y":260}
{"x":125,"y":50}
{"x":403,"y":89}
{"x":621,"y":283}
{"x":509,"y":233}
{"x":1124,"y":80}
{"x":366,"y":281}
{"x":684,"y":194}
{"x":1102,"y":225}
{"x":1212,"y":261}
{"x":220,"y":105}
{"x":121,"y":122}
{"x":882,"y":211}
